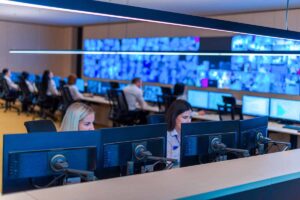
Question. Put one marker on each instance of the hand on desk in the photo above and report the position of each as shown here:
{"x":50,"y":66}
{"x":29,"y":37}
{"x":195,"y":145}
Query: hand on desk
{"x":201,"y":112}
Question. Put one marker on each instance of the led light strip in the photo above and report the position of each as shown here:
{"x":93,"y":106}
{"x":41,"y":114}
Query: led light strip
{"x":76,"y":52}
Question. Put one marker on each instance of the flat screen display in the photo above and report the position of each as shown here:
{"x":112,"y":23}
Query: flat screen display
{"x":198,"y":99}
{"x":215,"y":98}
{"x":285,"y":109}
{"x":256,"y":106}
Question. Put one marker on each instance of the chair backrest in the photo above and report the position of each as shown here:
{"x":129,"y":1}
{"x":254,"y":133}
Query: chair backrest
{"x":226,"y":112}
{"x":164,"y":101}
{"x":156,"y":119}
{"x":229,"y":101}
{"x":117,"y":101}
{"x":67,"y":98}
{"x":40,"y":126}
{"x":24,"y":90}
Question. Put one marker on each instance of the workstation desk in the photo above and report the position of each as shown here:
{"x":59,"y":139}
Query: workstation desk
{"x":272,"y":126}
{"x":270,"y":176}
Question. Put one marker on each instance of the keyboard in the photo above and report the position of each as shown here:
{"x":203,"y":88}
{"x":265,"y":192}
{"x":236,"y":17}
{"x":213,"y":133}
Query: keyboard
{"x":294,"y":127}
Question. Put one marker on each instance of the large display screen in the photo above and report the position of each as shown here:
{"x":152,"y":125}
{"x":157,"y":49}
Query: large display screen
{"x":285,"y":109}
{"x":269,"y":74}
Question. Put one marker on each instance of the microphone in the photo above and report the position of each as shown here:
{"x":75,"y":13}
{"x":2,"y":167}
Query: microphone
{"x":141,"y":153}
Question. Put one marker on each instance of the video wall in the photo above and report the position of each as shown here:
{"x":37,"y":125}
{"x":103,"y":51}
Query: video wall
{"x":272,"y":74}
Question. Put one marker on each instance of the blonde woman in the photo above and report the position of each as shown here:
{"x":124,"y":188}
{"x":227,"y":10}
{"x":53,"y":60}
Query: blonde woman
{"x":79,"y":117}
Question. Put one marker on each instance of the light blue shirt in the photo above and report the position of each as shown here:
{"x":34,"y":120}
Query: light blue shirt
{"x":173,"y":145}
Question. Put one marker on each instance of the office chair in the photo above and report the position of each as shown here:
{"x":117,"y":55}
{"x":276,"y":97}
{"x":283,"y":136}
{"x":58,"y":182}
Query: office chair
{"x":156,"y":119}
{"x":67,"y":98}
{"x":229,"y":109}
{"x":40,"y":126}
{"x":27,"y":98}
{"x":119,"y":112}
{"x":164,"y":102}
{"x":9,"y":96}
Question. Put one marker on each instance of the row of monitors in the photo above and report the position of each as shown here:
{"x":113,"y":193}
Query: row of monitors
{"x":107,"y":152}
{"x":275,"y":108}
{"x":15,"y":77}
{"x":252,"y":105}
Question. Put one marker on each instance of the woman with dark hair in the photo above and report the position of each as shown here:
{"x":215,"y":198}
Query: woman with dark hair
{"x":49,"y":90}
{"x":48,"y":85}
{"x":179,"y":112}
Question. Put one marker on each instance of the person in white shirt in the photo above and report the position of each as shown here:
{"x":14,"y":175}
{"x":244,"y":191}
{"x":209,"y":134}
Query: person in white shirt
{"x":31,"y":86}
{"x":49,"y":90}
{"x":11,"y":85}
{"x":180,"y":111}
{"x":76,"y":95}
{"x":134,"y":95}
{"x":28,"y":90}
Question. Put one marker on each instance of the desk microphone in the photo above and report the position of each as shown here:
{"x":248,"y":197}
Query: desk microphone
{"x":141,"y":153}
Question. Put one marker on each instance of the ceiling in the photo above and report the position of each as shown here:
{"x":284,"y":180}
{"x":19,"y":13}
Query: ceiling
{"x":192,"y":7}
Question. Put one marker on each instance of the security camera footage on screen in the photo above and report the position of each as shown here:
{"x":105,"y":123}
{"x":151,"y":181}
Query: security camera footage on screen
{"x":272,"y":74}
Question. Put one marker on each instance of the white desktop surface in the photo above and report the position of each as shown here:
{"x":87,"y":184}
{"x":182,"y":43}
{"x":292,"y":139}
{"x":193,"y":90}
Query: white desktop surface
{"x":183,"y":182}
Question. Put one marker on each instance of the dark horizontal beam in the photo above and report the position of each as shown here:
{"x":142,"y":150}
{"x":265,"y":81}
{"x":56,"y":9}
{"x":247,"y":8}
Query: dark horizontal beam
{"x":145,"y":14}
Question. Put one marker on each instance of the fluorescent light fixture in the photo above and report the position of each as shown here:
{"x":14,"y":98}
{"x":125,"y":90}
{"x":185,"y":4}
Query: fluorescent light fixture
{"x":224,"y":53}
{"x":106,"y":9}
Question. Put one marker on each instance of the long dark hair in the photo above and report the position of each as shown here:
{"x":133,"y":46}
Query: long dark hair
{"x":45,"y":80}
{"x":176,"y":108}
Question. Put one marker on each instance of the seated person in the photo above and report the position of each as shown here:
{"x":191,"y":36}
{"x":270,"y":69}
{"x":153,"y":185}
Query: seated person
{"x":24,"y":79}
{"x":134,"y":94}
{"x":76,"y":95}
{"x":180,"y":91}
{"x":49,"y":90}
{"x":179,"y":112}
{"x":78,"y":117}
{"x":11,"y":85}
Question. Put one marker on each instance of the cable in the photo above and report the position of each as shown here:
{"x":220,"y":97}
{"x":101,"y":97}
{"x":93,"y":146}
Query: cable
{"x":47,"y":185}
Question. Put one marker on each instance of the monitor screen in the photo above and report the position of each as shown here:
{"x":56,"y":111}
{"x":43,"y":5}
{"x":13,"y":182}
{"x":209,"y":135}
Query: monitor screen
{"x":57,"y":80}
{"x":256,"y":106}
{"x":151,"y":92}
{"x":198,"y":99}
{"x":285,"y":109}
{"x":15,"y":77}
{"x":94,"y":87}
{"x":80,"y":84}
{"x":215,"y":98}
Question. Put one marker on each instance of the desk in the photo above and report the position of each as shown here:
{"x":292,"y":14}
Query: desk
{"x":202,"y":181}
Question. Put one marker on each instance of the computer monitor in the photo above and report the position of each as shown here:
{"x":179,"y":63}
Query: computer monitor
{"x":216,"y":98}
{"x":80,"y":84}
{"x":151,"y":92}
{"x":250,"y":132}
{"x":166,"y":91}
{"x":120,"y":144}
{"x":285,"y":109}
{"x":198,"y":141}
{"x":31,"y":78}
{"x":255,"y":106}
{"x":27,"y":158}
{"x":104,"y":87}
{"x":15,"y":76}
{"x":198,"y":99}
{"x":94,"y":87}
{"x":57,"y":80}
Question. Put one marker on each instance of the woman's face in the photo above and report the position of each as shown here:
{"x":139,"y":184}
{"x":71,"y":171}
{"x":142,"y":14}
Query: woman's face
{"x":185,"y":117}
{"x":87,"y":123}
{"x":50,"y":75}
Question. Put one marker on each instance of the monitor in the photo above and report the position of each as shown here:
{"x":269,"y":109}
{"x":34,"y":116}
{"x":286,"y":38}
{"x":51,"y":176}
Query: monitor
{"x":57,"y":80}
{"x":31,"y":78}
{"x":94,"y":87}
{"x":119,"y":145}
{"x":285,"y":109}
{"x":80,"y":84}
{"x":198,"y":139}
{"x":151,"y":92}
{"x":216,"y":98}
{"x":104,"y":87}
{"x":249,"y":130}
{"x":198,"y":99}
{"x":255,"y":106}
{"x":15,"y":76}
{"x":28,"y":166}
